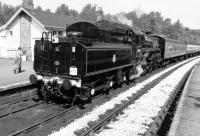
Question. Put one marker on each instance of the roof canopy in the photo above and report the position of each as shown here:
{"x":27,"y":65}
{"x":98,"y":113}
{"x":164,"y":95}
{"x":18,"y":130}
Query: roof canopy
{"x":165,"y":38}
{"x":48,"y":20}
{"x":51,"y":20}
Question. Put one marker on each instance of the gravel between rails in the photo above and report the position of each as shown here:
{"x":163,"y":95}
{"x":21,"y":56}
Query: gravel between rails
{"x":82,"y":122}
{"x":141,"y":114}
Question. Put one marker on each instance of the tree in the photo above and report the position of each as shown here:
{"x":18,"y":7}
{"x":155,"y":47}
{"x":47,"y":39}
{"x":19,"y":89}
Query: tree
{"x":176,"y":31}
{"x":38,"y":8}
{"x":6,"y":12}
{"x":73,"y":13}
{"x":152,"y":21}
{"x":64,"y":10}
{"x":89,"y":12}
{"x":178,"y":26}
{"x":167,"y":27}
{"x":110,"y":18}
{"x":144,"y":23}
{"x":133,"y":17}
{"x":48,"y":10}
{"x":155,"y":22}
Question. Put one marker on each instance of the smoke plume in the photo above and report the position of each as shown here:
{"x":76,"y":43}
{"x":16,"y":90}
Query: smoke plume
{"x":123,"y":19}
{"x":139,"y":68}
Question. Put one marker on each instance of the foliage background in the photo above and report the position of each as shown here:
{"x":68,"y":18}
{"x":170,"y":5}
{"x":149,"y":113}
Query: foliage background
{"x":152,"y":22}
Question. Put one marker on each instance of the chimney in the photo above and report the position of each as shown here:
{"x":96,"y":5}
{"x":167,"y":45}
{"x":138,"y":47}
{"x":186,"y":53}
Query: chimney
{"x":99,"y":14}
{"x":28,"y":4}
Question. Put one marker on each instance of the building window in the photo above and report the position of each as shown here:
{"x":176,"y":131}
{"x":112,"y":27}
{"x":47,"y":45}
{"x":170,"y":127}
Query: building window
{"x":60,"y":33}
{"x":11,"y":33}
{"x":54,"y":33}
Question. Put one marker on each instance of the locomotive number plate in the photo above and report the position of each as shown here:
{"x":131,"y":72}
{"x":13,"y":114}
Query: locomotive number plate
{"x":73,"y":71}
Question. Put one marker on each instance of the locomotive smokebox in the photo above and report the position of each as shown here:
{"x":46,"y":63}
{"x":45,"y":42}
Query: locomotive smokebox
{"x":67,"y":84}
{"x":33,"y":79}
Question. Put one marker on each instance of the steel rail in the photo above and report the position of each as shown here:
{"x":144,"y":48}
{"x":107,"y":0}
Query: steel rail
{"x":36,"y":125}
{"x":111,"y":116}
{"x":51,"y":118}
{"x":22,"y":98}
{"x":8,"y":101}
{"x":18,"y":110}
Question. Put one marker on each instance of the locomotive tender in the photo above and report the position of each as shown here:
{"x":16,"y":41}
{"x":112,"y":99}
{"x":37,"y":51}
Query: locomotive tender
{"x":97,"y":56}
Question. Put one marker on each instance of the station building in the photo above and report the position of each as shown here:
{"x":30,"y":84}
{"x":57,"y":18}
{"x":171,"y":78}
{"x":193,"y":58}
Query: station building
{"x":26,"y":26}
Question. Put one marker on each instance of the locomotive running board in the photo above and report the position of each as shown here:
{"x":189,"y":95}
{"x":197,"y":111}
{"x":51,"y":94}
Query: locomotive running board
{"x":107,"y":70}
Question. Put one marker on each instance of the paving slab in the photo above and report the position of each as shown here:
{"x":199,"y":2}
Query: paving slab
{"x":7,"y":76}
{"x":186,"y":121}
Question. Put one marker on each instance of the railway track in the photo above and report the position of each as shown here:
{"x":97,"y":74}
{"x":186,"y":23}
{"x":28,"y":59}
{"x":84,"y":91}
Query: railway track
{"x":21,"y":97}
{"x":37,"y":124}
{"x":97,"y":127}
{"x":13,"y":115}
{"x":42,"y":122}
{"x":9,"y":102}
{"x":30,"y":118}
{"x":17,"y":94}
{"x":11,"y":112}
{"x":49,"y":119}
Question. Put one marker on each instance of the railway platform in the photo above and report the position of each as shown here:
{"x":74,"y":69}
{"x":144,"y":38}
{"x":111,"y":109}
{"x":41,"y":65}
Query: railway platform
{"x":7,"y":76}
{"x":186,"y":121}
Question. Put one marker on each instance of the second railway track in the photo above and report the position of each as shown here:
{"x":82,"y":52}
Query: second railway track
{"x":10,"y":103}
{"x":61,"y":112}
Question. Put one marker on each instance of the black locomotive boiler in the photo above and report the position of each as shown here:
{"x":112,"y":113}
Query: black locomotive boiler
{"x":92,"y":57}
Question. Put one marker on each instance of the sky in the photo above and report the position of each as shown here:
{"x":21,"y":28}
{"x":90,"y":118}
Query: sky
{"x":187,"y":11}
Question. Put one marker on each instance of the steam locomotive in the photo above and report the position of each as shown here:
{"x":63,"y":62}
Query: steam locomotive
{"x":98,"y":56}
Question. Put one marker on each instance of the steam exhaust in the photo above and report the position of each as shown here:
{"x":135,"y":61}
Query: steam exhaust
{"x":139,"y":68}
